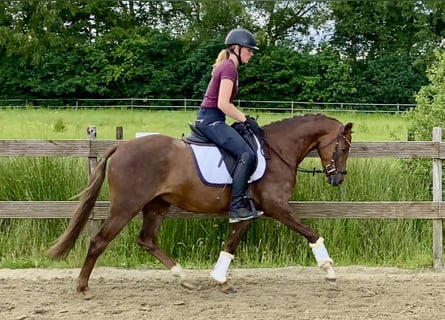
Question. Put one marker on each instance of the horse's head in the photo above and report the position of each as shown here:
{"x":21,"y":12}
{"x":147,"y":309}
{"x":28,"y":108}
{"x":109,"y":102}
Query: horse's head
{"x":333,"y":149}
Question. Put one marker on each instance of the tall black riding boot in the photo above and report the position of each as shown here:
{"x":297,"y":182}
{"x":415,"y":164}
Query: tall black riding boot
{"x":239,"y":208}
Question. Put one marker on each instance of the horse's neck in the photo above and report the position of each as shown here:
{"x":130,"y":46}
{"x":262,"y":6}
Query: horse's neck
{"x":292,"y":146}
{"x":309,"y":134}
{"x":296,"y":141}
{"x":307,"y":143}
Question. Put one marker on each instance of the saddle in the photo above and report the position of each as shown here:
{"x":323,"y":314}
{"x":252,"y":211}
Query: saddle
{"x":215,"y":165}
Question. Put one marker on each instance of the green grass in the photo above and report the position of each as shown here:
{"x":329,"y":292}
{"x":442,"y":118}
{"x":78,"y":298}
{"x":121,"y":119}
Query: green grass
{"x":196,"y":243}
{"x":72,"y":123}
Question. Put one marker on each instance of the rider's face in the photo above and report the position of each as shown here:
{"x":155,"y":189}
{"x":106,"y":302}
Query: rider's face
{"x":246,"y":54}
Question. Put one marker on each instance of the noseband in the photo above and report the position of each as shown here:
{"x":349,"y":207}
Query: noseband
{"x":331,"y":168}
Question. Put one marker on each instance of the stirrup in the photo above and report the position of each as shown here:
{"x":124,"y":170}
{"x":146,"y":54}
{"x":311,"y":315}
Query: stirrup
{"x":234,"y":216}
{"x":256,"y":213}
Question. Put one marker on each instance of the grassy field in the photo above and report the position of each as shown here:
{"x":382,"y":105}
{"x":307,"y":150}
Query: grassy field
{"x":72,"y":124}
{"x":196,"y":243}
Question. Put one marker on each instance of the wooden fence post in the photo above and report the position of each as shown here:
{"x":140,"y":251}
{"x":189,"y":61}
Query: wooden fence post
{"x":93,"y":225}
{"x":92,"y":161}
{"x":119,"y":133}
{"x":437,"y":197}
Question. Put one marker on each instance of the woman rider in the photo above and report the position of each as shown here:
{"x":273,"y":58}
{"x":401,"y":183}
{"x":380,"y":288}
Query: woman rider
{"x":217,"y":104}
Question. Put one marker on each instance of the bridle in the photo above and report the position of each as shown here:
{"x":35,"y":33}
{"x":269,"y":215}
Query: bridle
{"x":331,"y":168}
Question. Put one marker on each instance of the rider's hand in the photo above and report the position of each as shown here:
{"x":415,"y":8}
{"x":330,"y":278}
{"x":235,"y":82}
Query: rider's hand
{"x":253,"y":126}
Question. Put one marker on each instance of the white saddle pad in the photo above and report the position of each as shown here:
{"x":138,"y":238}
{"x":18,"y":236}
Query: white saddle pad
{"x":212,"y":168}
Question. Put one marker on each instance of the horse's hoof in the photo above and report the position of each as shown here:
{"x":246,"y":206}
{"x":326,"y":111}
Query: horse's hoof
{"x":189,"y":284}
{"x":332,"y":282}
{"x":86,"y":294}
{"x":227,"y":288}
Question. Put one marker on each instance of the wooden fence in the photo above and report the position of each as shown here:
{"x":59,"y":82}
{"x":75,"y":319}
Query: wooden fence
{"x":91,"y":149}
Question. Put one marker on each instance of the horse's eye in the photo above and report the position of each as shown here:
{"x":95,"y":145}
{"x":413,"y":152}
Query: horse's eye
{"x":344,"y":149}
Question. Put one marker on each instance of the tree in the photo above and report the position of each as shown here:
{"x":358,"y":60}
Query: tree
{"x":96,"y":48}
{"x":286,"y":22}
{"x":387,"y":43}
{"x":204,"y":20}
{"x":391,"y":78}
{"x":195,"y":69}
{"x":429,"y":112}
{"x":272,"y":74}
{"x":144,"y":63}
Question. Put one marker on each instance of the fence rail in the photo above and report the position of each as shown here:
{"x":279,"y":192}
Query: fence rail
{"x":95,"y":148}
{"x":193,"y":104}
{"x":303,"y":210}
{"x":90,"y":149}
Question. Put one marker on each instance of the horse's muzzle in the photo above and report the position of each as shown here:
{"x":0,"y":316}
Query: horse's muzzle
{"x":335,"y":179}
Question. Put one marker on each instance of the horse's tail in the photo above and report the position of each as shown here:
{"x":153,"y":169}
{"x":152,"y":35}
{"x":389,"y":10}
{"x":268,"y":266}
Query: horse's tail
{"x":88,"y":197}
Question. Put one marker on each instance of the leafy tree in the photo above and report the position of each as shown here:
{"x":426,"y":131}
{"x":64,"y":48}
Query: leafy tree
{"x":328,"y":78}
{"x":429,"y":111}
{"x":196,"y":68}
{"x":207,"y":19}
{"x":388,"y":45}
{"x":365,"y":29}
{"x":272,"y":74}
{"x":161,"y":49}
{"x":391,"y":78}
{"x":286,"y":21}
{"x":144,"y":64}
{"x":280,"y":73}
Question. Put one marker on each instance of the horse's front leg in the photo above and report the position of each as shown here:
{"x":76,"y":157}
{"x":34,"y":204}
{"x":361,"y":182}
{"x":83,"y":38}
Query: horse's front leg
{"x":219,"y":272}
{"x":286,"y":216}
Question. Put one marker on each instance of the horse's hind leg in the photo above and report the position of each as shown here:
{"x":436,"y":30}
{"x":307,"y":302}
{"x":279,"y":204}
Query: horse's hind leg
{"x":153,"y":215}
{"x":113,"y":225}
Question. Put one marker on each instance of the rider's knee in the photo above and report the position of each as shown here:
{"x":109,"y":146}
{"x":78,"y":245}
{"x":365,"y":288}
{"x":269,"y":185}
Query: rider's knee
{"x":248,"y":157}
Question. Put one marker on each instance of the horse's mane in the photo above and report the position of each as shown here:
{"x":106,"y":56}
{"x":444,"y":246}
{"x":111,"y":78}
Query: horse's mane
{"x":299,"y":119}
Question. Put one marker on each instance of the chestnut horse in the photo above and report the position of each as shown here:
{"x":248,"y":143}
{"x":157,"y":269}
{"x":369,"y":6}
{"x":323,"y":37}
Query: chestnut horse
{"x":151,"y":173}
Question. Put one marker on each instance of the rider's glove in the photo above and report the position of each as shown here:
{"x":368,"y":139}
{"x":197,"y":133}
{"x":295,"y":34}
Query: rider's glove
{"x":253,"y":126}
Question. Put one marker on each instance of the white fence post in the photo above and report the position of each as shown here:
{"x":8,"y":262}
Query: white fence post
{"x":437,"y":197}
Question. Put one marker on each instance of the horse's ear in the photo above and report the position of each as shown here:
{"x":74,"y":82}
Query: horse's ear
{"x":348,"y":128}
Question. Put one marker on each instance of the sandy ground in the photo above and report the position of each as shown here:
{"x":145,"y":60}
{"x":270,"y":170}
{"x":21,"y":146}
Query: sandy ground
{"x":279,"y":293}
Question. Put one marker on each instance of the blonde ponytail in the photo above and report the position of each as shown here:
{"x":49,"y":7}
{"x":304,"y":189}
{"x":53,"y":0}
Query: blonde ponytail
{"x":222,"y":56}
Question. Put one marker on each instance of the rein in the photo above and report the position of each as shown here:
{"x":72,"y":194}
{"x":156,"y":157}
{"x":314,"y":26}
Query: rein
{"x":313,"y":171}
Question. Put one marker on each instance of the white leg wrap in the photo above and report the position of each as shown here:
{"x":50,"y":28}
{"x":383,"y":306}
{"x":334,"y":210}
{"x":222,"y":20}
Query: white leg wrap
{"x":222,"y":265}
{"x":178,"y":272}
{"x":320,"y":252}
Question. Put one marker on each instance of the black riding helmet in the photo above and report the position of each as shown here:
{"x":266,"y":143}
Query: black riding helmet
{"x":241,"y":37}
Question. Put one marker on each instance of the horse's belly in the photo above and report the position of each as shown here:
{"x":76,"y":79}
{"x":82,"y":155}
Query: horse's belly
{"x":201,"y":202}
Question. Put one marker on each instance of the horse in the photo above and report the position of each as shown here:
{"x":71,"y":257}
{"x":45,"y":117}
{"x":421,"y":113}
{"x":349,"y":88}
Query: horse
{"x":150,"y":174}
